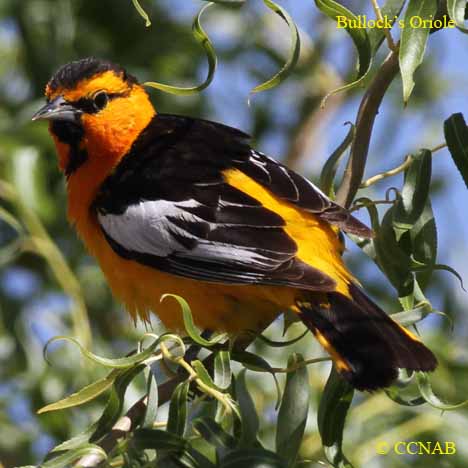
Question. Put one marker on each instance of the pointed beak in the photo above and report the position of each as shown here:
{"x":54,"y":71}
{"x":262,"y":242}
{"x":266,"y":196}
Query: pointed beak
{"x":58,"y":109}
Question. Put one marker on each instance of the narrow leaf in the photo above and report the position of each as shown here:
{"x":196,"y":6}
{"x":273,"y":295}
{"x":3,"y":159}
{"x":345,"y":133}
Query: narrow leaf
{"x":333,"y":408}
{"x":203,"y":374}
{"x":115,"y":403}
{"x":456,"y":135}
{"x":152,"y":396}
{"x":423,"y":237}
{"x":391,"y":10}
{"x":415,"y":193}
{"x":456,"y":10}
{"x":178,"y":409}
{"x":412,"y":316}
{"x":294,"y":50}
{"x":395,"y":395}
{"x":9,"y":219}
{"x":142,"y":13}
{"x":88,"y":393}
{"x":213,"y":433}
{"x":442,"y":267}
{"x":258,"y":364}
{"x":202,"y":38}
{"x":68,"y":458}
{"x":158,"y":440}
{"x":189,"y":324}
{"x":328,"y":173}
{"x":292,"y":416}
{"x":335,"y":11}
{"x":119,"y":363}
{"x":222,"y":370}
{"x":413,"y":41}
{"x":392,"y":259}
{"x":251,"y":458}
{"x":275,"y":343}
{"x":428,"y":394}
{"x":249,"y":417}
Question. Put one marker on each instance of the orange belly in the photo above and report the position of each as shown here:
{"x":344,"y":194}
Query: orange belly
{"x":214,"y":306}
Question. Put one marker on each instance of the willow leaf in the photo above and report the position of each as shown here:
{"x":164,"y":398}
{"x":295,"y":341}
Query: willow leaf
{"x":202,"y":38}
{"x":294,"y":50}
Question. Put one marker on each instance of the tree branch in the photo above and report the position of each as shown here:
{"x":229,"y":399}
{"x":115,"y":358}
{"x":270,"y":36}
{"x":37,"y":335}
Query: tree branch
{"x":368,"y":110}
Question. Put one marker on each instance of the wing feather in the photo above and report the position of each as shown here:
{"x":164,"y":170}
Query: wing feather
{"x":168,"y":206}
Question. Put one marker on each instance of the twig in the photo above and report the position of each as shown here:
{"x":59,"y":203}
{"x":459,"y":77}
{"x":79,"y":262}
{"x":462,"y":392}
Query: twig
{"x":408,"y":161}
{"x":368,"y":110}
{"x":374,"y":179}
{"x":386,"y":31}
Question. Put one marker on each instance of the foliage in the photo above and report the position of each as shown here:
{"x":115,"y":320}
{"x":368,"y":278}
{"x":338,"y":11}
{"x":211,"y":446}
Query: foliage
{"x":163,"y":404}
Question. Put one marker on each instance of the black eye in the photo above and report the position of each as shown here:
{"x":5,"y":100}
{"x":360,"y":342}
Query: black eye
{"x":101,"y":99}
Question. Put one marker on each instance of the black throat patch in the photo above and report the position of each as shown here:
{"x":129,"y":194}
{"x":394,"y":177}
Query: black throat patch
{"x":71,"y":134}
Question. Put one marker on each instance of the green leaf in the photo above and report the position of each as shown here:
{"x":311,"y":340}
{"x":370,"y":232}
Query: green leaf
{"x":178,"y":409}
{"x":202,"y":38}
{"x":333,"y":408}
{"x":359,"y":36}
{"x":75,"y":442}
{"x":251,"y":458}
{"x":413,"y":42}
{"x":10,"y":252}
{"x":442,"y":267}
{"x":391,"y":258}
{"x":30,"y":186}
{"x":158,"y":440}
{"x":115,"y":403}
{"x":152,"y":396}
{"x":213,"y":433}
{"x":257,"y":364}
{"x":395,"y":395}
{"x":9,"y":219}
{"x":190,"y":458}
{"x":391,"y":10}
{"x":292,"y":416}
{"x":67,"y":459}
{"x":227,"y":2}
{"x":278,"y":344}
{"x":423,"y":237}
{"x":142,"y":13}
{"x":368,"y":245}
{"x":249,"y":417}
{"x":88,"y":393}
{"x":456,"y":11}
{"x":119,"y":363}
{"x":189,"y":324}
{"x":222,"y":370}
{"x":427,"y":393}
{"x":294,"y":50}
{"x":327,"y":176}
{"x":456,"y":135}
{"x":415,"y":193}
{"x":412,"y":316}
{"x":203,"y":374}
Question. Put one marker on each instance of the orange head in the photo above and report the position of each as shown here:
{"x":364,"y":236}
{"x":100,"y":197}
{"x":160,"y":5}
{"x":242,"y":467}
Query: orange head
{"x":96,"y":111}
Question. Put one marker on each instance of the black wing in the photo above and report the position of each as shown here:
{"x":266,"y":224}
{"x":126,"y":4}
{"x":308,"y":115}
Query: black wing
{"x":168,"y":206}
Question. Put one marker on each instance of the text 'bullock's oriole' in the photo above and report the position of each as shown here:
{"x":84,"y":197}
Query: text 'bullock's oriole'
{"x":171,"y":204}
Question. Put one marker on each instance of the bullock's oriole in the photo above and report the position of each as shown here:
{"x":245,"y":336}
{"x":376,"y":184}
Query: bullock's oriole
{"x":171,"y":204}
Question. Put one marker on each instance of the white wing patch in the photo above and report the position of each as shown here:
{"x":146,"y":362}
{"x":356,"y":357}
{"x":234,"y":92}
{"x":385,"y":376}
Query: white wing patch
{"x":145,"y":227}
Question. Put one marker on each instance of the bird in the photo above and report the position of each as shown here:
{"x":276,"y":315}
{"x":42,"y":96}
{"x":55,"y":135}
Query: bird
{"x":170,"y":204}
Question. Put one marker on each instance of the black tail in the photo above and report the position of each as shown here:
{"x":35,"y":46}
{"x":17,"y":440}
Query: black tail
{"x":368,"y":347}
